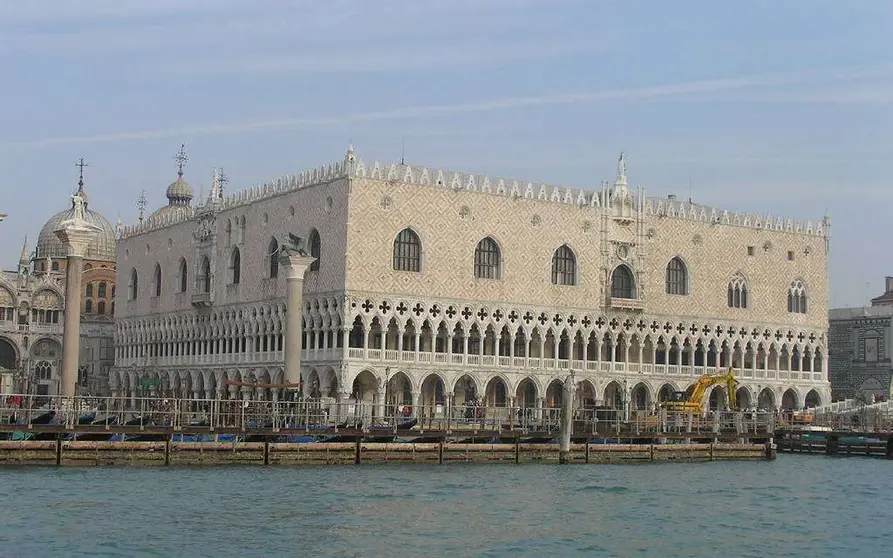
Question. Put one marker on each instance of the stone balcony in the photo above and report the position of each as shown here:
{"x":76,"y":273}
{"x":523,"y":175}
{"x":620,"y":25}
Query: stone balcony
{"x":377,"y":357}
{"x":202,"y":300}
{"x":30,"y":328}
{"x":186,"y":361}
{"x":532,"y":365}
{"x":626,"y":304}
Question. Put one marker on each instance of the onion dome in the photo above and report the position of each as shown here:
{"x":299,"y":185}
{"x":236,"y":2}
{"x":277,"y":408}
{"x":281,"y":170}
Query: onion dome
{"x":179,"y":192}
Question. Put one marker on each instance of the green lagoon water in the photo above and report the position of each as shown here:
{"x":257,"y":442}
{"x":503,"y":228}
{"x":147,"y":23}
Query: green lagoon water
{"x":796,"y":506}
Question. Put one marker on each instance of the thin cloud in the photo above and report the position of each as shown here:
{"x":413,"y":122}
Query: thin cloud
{"x":677,"y":90}
{"x":140,"y":25}
{"x":408,"y":57}
{"x":50,"y":11}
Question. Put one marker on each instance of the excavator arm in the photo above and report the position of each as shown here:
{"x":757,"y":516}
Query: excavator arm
{"x":695,"y":402}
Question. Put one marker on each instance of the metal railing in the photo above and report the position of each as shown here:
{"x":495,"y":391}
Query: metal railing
{"x":111,"y":413}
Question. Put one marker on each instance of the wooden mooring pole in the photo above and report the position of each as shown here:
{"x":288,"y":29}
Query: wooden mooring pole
{"x":567,"y":422}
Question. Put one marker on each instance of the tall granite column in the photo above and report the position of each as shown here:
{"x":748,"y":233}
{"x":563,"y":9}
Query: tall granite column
{"x":296,"y":265}
{"x":75,"y":234}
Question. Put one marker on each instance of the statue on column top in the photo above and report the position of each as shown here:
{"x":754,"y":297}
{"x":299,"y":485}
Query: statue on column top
{"x":293,"y":245}
{"x":77,"y":202}
{"x":621,"y":166}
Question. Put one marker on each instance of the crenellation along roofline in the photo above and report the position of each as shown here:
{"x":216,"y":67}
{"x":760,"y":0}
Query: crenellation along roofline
{"x":351,"y":167}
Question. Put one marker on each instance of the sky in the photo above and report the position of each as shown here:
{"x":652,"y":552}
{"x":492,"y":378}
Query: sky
{"x":761,"y":106}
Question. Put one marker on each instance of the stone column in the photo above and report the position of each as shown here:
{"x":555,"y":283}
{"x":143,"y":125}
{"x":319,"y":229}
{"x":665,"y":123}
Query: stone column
{"x":416,"y":397}
{"x":296,"y":265}
{"x":75,"y":234}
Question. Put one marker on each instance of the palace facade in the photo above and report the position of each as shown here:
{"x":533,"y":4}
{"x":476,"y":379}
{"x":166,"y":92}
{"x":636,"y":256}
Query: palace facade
{"x":861,"y":359}
{"x":32,"y":303}
{"x":436,"y":288}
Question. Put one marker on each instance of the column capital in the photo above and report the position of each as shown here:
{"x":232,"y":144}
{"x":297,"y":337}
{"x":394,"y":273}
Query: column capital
{"x":76,"y":235}
{"x":295,"y":264}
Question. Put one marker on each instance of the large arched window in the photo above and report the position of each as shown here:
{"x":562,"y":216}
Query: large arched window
{"x":622,"y":285}
{"x":407,"y":251}
{"x":677,"y":277}
{"x":100,"y":308}
{"x":273,"y":257}
{"x":102,"y":288}
{"x":487,"y":259}
{"x":738,"y":292}
{"x":315,"y":249}
{"x":229,"y":232}
{"x":89,"y":293}
{"x":8,"y":355}
{"x":134,"y":286}
{"x":564,"y":266}
{"x":236,"y":266}
{"x":205,"y":277}
{"x":156,"y":279}
{"x":88,"y":306}
{"x":184,"y":275}
{"x":797,"y":298}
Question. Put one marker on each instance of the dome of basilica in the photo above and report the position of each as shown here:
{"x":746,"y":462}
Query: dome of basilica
{"x":101,"y":248}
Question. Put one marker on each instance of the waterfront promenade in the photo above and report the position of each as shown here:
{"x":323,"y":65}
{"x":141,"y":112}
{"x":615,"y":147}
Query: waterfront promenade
{"x":173,"y":431}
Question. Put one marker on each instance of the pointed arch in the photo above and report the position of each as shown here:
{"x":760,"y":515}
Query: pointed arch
{"x":622,"y":283}
{"x":204,"y":277}
{"x":273,"y":258}
{"x":677,"y":277}
{"x":235,"y":265}
{"x":738,"y":291}
{"x":184,"y":275}
{"x":133,"y":287}
{"x":315,"y":245}
{"x":564,"y":266}
{"x":487,"y":259}
{"x":407,"y":251}
{"x":797,"y":297}
{"x":156,"y":279}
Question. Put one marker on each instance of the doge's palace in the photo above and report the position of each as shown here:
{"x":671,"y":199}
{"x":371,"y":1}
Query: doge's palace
{"x":434,"y":287}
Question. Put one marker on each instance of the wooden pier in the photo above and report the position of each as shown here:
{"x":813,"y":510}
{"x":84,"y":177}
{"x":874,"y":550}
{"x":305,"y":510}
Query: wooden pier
{"x":160,"y":446}
{"x":836,"y":443}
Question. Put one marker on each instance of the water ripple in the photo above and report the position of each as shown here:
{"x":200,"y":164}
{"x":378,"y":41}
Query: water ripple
{"x":796,"y":505}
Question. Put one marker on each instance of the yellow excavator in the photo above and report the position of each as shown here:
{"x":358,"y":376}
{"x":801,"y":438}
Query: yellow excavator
{"x":694,"y":403}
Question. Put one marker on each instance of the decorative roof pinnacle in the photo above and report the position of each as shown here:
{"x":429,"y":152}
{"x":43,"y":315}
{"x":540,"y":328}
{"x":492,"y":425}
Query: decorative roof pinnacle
{"x":23,"y":258}
{"x":181,"y":158}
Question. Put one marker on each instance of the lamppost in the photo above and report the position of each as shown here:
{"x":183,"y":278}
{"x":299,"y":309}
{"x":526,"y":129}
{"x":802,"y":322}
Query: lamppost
{"x":626,"y":401}
{"x":387,"y":402}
